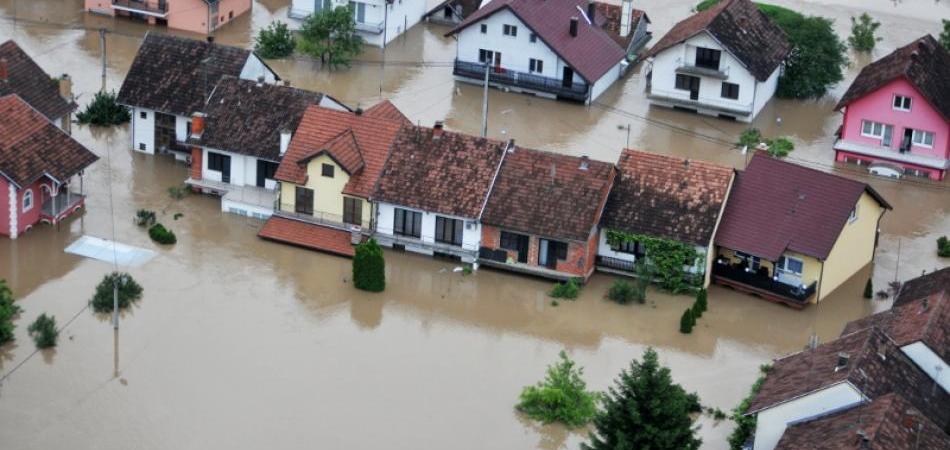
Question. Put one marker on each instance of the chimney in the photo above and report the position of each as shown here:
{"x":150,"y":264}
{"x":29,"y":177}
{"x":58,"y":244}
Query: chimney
{"x":585,"y":162}
{"x":66,"y":87}
{"x":358,"y":111}
{"x":260,"y":80}
{"x":574,"y":26}
{"x":437,"y":130}
{"x":510,"y":147}
{"x":626,"y":10}
{"x":287,"y":83}
{"x":211,"y":39}
{"x":591,"y":11}
{"x":197,"y":125}
{"x":284,"y":141}
{"x":3,"y":69}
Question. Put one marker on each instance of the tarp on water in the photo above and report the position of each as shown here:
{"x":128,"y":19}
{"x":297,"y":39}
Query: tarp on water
{"x":102,"y":249}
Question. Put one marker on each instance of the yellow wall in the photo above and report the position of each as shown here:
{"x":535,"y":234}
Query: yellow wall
{"x":811,"y":267}
{"x":854,"y":248}
{"x":327,"y":192}
{"x":711,"y":251}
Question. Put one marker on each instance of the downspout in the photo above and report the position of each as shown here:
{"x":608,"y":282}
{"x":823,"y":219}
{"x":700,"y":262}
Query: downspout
{"x":385,"y":22}
{"x":821,"y":279}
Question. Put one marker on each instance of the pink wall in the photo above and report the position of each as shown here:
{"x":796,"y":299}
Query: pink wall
{"x":877,"y":107}
{"x":99,"y":6}
{"x":29,"y":218}
{"x":4,"y":207}
{"x":192,"y":15}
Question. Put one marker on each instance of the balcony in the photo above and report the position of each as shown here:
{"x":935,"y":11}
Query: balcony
{"x":503,"y":76}
{"x":891,"y":154}
{"x":373,"y":28}
{"x":322,"y":218}
{"x":761,"y":285}
{"x":156,"y":8}
{"x":57,"y":208}
{"x":682,"y":98}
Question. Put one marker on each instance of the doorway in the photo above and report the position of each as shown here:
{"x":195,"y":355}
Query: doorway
{"x":265,"y":171}
{"x":567,"y":79}
{"x":164,"y":131}
{"x":550,"y":252}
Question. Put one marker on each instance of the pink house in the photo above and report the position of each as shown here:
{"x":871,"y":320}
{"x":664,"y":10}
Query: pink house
{"x":198,"y":16}
{"x":38,"y":162}
{"x":897,"y":113}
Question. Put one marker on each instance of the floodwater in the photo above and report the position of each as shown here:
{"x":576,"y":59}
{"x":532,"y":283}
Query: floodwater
{"x":242,"y":343}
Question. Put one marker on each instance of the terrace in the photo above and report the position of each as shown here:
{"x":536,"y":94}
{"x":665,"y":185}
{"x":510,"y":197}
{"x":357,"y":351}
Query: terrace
{"x":761,"y":285}
{"x":502,"y":76}
{"x":156,"y":8}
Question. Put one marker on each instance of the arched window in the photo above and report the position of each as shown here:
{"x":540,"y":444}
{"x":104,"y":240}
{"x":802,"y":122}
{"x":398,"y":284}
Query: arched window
{"x":28,"y":200}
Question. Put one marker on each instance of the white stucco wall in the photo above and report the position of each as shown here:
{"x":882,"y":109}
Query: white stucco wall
{"x":254,"y":68}
{"x":773,"y":421}
{"x":243,"y":169}
{"x":603,"y":249}
{"x":471,"y":233}
{"x":607,"y":79}
{"x":401,"y":15}
{"x":765,"y":90}
{"x":515,"y":51}
{"x":143,"y":130}
{"x":930,"y":363}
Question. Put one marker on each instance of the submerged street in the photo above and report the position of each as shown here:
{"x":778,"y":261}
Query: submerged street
{"x":244,"y":343}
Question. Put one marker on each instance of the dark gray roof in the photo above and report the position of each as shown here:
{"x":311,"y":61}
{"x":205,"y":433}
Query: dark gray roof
{"x":26,"y":79}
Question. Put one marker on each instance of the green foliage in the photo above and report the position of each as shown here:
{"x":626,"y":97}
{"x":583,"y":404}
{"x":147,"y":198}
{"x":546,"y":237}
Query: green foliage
{"x":330,"y":35}
{"x":144,"y":218}
{"x":699,"y":306}
{"x":178,"y":192}
{"x":130,"y":292}
{"x":43,"y":331}
{"x":869,"y":289}
{"x":705,"y":4}
{"x":8,"y":310}
{"x":369,"y":267}
{"x":645,"y":410}
{"x":945,"y":34}
{"x":104,"y":111}
{"x":780,"y":147}
{"x":644,"y":274}
{"x":862,"y":36}
{"x":622,"y":292}
{"x":568,"y":289}
{"x":745,"y":425}
{"x":178,"y":216}
{"x":667,"y":259}
{"x":943,"y":247}
{"x":750,"y":137}
{"x":466,"y":270}
{"x":274,"y":41}
{"x":687,"y":321}
{"x":162,"y":235}
{"x":561,"y":397}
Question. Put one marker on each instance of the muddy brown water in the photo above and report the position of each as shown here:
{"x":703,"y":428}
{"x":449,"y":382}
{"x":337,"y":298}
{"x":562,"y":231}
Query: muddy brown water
{"x":242,"y":343}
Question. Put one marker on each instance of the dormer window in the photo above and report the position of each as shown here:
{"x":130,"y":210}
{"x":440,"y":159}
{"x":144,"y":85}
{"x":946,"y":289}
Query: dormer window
{"x":901,"y":103}
{"x":707,"y":58}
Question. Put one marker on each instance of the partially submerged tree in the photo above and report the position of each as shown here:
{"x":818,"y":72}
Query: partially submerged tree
{"x":43,"y":331}
{"x":104,"y":111}
{"x":274,"y":41}
{"x":945,"y":34}
{"x":862,"y":36}
{"x":561,"y":397}
{"x":330,"y":35}
{"x":369,"y":267}
{"x":645,"y":409}
{"x":818,"y":56}
{"x":8,"y":310}
{"x":130,"y":292}
{"x":687,"y":321}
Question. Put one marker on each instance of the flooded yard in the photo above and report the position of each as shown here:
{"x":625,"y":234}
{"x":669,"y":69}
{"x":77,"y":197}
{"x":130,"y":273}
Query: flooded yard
{"x":242,"y":343}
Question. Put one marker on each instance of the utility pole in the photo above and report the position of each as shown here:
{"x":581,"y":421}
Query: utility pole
{"x":485,"y":103}
{"x":102,"y":49}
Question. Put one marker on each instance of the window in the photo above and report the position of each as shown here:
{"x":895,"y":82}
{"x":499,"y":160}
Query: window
{"x":187,"y":130}
{"x":707,"y":58}
{"x":486,"y":56}
{"x":923,"y":138}
{"x":683,"y":82}
{"x":352,"y":211}
{"x":408,"y":223}
{"x":854,"y":214}
{"x":877,"y":130}
{"x":327,"y":170}
{"x":535,"y":65}
{"x":510,"y":241}
{"x":303,"y":200}
{"x":142,"y":146}
{"x":635,"y":248}
{"x":901,"y":103}
{"x":484,"y":28}
{"x":143,"y":115}
{"x":730,"y":90}
{"x":217,"y":161}
{"x":791,"y":265}
{"x":448,"y":231}
{"x":533,"y":37}
{"x":359,"y":11}
{"x":510,"y":30}
{"x":27,"y":200}
{"x":750,"y":261}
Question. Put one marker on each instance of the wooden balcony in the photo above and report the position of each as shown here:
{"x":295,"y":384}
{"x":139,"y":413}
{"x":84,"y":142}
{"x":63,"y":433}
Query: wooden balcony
{"x":502,"y":76}
{"x":762,"y":286}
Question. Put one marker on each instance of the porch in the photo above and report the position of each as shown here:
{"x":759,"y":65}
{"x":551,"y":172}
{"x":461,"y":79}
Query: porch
{"x":56,"y":208}
{"x":243,"y":200}
{"x":155,"y":8}
{"x":506,"y":77}
{"x":322,"y":218}
{"x":498,"y":258}
{"x":892,"y":154}
{"x":426,"y":246}
{"x":761,"y":285}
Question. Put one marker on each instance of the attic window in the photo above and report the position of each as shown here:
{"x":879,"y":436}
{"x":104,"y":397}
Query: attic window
{"x":327,"y":170}
{"x":484,"y":28}
{"x":902,"y":103}
{"x":842,"y":361}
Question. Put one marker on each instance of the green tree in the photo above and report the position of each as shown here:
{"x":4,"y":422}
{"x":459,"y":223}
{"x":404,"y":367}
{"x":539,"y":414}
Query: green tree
{"x":699,"y":306}
{"x":568,"y":289}
{"x":745,"y":425}
{"x":622,"y":292}
{"x":862,"y":36}
{"x":687,"y":321}
{"x":8,"y":310}
{"x":869,"y":289}
{"x":945,"y":34}
{"x":369,"y":267}
{"x":104,"y":111}
{"x":561,"y":397}
{"x":645,"y":409}
{"x":274,"y":41}
{"x":330,"y":34}
{"x":162,"y":235}
{"x":130,"y":292}
{"x":43,"y":331}
{"x":780,"y":147}
{"x":943,"y":247}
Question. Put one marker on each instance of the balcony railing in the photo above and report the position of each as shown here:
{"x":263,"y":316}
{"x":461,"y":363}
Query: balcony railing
{"x":321,"y":218}
{"x":501,"y":75}
{"x":763,"y":284}
{"x":681,"y":98}
{"x":367,"y":27}
{"x":56,"y":208}
{"x":693,"y":69}
{"x":158,"y":8}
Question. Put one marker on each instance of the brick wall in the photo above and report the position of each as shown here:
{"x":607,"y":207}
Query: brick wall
{"x":196,"y":163}
{"x":580,"y":256}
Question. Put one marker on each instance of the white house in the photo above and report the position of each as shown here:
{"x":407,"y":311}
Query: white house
{"x":433,"y":190}
{"x":377,"y":21}
{"x":724,"y":61}
{"x":569,"y":49}
{"x":171,"y":79}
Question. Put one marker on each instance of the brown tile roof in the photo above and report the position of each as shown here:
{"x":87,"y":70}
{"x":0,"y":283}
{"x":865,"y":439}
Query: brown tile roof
{"x":924,"y":285}
{"x":873,"y":375}
{"x":343,"y":149}
{"x":777,"y":206}
{"x":168,"y":75}
{"x":667,"y":197}
{"x":451,"y":174}
{"x":26,"y":79}
{"x":246,"y":117}
{"x":887,"y":423}
{"x":319,"y":126}
{"x":591,"y":53}
{"x":549,"y":194}
{"x":31,"y":146}
{"x":923,"y":63}
{"x":307,"y":235}
{"x":386,"y":110}
{"x":742,"y":29}
{"x":609,"y":16}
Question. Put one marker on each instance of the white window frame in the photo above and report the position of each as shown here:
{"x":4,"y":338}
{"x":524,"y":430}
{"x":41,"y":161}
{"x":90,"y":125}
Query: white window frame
{"x":922,"y":134}
{"x":510,"y":30}
{"x":872,"y":133}
{"x":784,"y":259}
{"x":27,"y":195}
{"x":535,"y":66}
{"x":909,"y":101}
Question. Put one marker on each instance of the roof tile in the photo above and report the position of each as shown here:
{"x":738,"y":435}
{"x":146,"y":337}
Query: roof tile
{"x":307,"y":235}
{"x":26,"y":79}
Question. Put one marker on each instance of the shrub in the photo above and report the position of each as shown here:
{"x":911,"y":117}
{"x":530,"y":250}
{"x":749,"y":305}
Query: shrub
{"x":162,"y":235}
{"x":568,"y":289}
{"x":622,"y":292}
{"x":745,"y":425}
{"x":687,"y":321}
{"x":130,"y":292}
{"x":780,"y":147}
{"x":945,"y":34}
{"x":104,"y":111}
{"x":862,"y":36}
{"x":943,"y":247}
{"x":274,"y":41}
{"x":369,"y":267}
{"x":178,"y":192}
{"x":868,"y":289}
{"x":561,"y":397}
{"x":702,"y":300}
{"x":644,"y":273}
{"x":8,"y":310}
{"x":144,"y":218}
{"x":43,"y":331}
{"x":750,"y":137}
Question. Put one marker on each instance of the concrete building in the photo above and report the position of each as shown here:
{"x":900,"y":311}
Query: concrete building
{"x":377,"y":21}
{"x":196,"y":16}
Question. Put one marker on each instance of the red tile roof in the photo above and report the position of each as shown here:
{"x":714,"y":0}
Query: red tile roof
{"x":923,"y":63}
{"x":386,"y":110}
{"x":549,"y":194}
{"x":777,"y":206}
{"x":591,"y":53}
{"x":26,"y":79}
{"x":667,"y":197}
{"x":307,"y":235}
{"x":320,"y":126}
{"x":31,"y":146}
{"x":343,"y":149}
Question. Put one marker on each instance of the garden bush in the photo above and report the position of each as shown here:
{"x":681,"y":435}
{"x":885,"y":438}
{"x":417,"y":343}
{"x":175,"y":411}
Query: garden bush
{"x":568,"y":289}
{"x":8,"y":310}
{"x":862,"y":36}
{"x":622,"y":292}
{"x":144,"y":218}
{"x":104,"y":111}
{"x":745,"y":424}
{"x":43,"y":331}
{"x":687,"y":321}
{"x":369,"y":267}
{"x":274,"y":41}
{"x":561,"y":397}
{"x":943,"y":247}
{"x":162,"y":235}
{"x":130,"y":292}
{"x":702,"y":300}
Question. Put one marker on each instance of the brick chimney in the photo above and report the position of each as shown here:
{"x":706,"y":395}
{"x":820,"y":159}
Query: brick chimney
{"x":197,"y":125}
{"x":197,"y":128}
{"x":438,"y":129}
{"x":66,"y":87}
{"x":574,"y":26}
{"x":3,"y":69}
{"x":626,"y":10}
{"x":285,"y":135}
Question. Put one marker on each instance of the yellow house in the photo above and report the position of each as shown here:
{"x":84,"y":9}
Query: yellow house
{"x":792,"y":235}
{"x":328,"y":176}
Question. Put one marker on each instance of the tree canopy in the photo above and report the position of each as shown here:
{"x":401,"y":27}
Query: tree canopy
{"x":945,"y":34}
{"x":274,"y":41}
{"x":330,"y":35}
{"x":561,"y":397}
